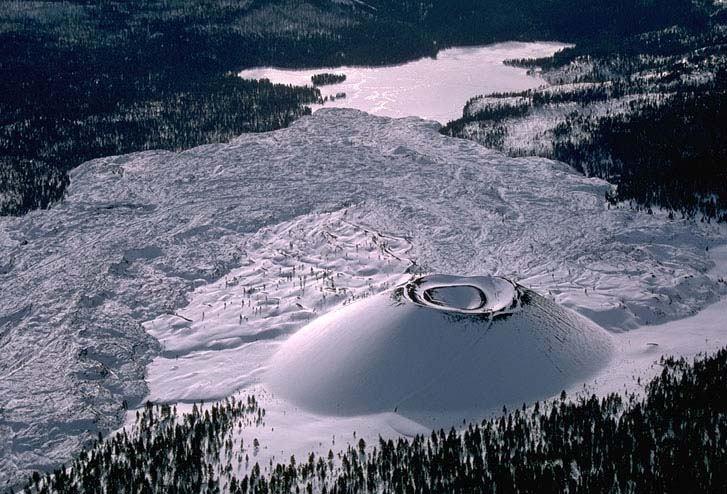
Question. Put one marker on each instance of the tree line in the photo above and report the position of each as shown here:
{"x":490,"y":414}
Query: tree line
{"x":327,"y":78}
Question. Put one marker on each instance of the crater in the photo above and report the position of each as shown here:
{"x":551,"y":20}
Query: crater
{"x":462,"y":297}
{"x":486,"y":295}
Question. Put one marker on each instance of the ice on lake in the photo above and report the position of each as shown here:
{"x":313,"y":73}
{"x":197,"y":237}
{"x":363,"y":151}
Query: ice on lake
{"x":431,"y":88}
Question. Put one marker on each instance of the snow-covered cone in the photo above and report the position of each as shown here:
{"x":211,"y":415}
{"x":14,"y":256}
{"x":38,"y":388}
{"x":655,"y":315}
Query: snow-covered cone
{"x":438,"y":344}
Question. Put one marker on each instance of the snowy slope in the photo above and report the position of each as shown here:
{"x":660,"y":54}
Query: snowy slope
{"x":291,"y":273}
{"x":400,"y":352}
{"x":139,"y":236}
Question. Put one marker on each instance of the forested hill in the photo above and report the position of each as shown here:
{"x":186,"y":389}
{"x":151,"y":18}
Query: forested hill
{"x":80,"y":80}
{"x":648,"y":112}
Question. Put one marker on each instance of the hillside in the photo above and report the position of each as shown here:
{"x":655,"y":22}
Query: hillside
{"x":141,"y":237}
{"x":645,"y":112}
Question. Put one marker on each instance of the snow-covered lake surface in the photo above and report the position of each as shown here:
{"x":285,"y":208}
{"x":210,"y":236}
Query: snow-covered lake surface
{"x":430,"y":88}
{"x":179,"y":276}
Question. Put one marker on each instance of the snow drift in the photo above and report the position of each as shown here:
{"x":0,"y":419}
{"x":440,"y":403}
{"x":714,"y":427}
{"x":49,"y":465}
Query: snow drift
{"x":438,"y":344}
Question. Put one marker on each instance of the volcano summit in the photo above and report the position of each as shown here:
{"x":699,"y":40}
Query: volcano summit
{"x":438,"y":344}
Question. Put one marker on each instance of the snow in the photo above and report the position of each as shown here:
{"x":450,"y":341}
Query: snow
{"x":478,"y":295}
{"x":533,"y":133}
{"x":638,"y":352}
{"x":393,"y":353}
{"x":89,"y":288}
{"x":290,"y":273}
{"x":430,"y":88}
{"x":462,"y":297}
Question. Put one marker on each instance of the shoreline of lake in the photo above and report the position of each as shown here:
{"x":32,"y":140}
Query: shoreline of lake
{"x":430,"y":88}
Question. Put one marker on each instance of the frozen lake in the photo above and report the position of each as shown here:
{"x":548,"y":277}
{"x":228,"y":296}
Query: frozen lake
{"x":431,"y":88}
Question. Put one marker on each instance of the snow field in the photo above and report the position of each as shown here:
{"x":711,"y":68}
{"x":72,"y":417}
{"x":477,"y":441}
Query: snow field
{"x":291,"y":273}
{"x":143,"y":236}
